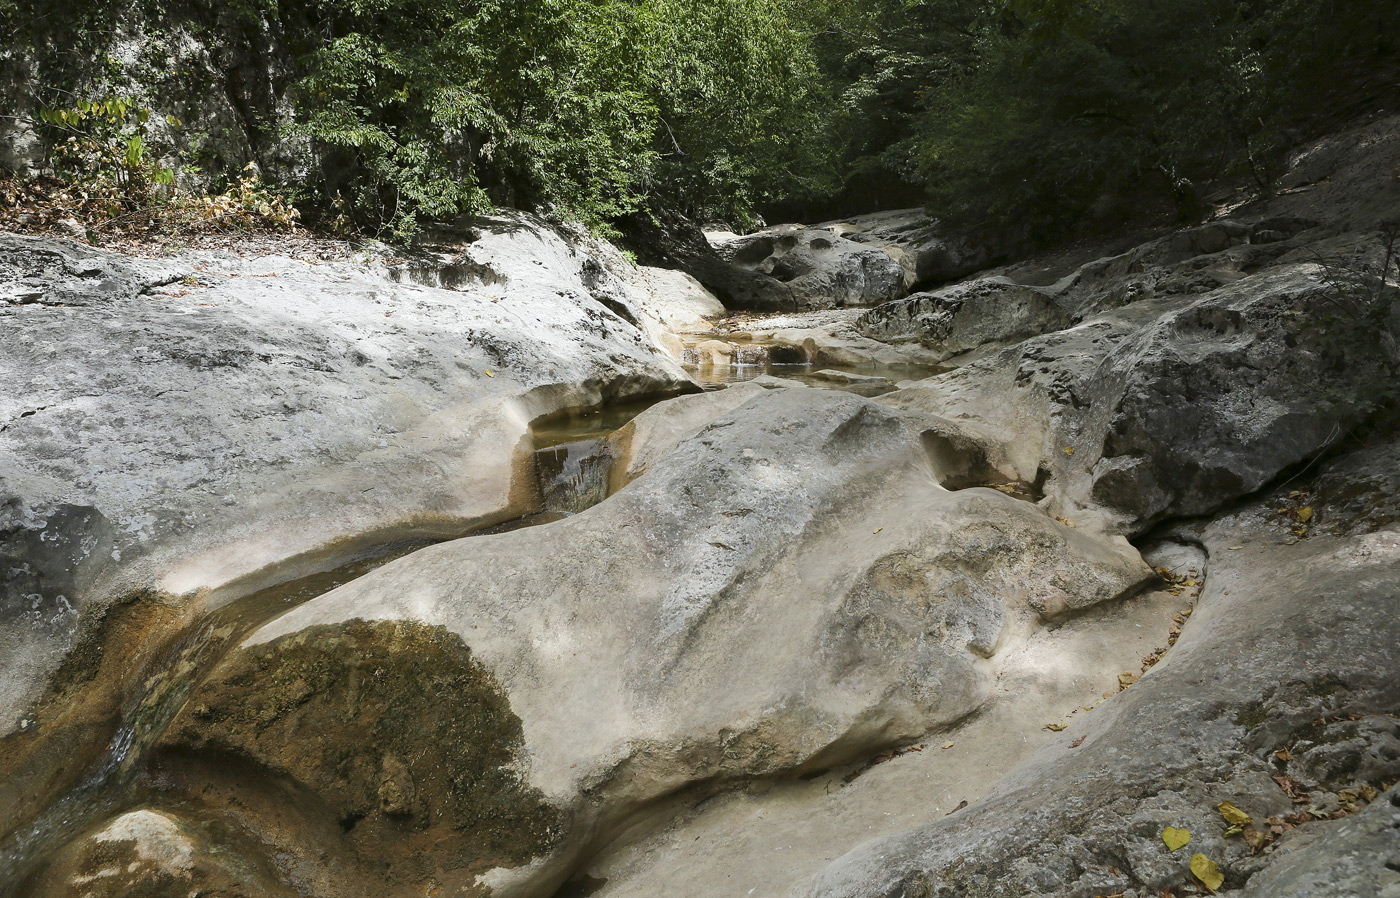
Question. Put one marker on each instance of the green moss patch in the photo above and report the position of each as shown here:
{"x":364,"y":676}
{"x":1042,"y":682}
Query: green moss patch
{"x":391,"y":723}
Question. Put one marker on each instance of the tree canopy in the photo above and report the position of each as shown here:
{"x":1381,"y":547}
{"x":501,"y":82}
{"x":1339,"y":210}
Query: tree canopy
{"x":1028,"y":120}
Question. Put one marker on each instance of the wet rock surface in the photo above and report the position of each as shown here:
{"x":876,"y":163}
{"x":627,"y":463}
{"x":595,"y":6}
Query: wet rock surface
{"x":156,"y":854}
{"x":391,"y":731}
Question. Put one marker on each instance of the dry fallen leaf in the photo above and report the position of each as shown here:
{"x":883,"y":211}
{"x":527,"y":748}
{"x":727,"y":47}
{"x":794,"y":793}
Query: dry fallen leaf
{"x":947,"y":745}
{"x":1233,"y":815}
{"x":1305,"y":514}
{"x":1057,"y":727}
{"x":1204,"y":869}
{"x":1126,"y":679}
{"x":1175,"y":838}
{"x":1069,"y":450}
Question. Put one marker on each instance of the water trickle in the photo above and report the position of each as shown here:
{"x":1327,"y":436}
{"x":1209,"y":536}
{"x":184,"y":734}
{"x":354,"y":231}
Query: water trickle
{"x":113,"y":783}
{"x":752,"y":354}
{"x":574,"y":476}
{"x":715,"y":363}
{"x":573,"y":459}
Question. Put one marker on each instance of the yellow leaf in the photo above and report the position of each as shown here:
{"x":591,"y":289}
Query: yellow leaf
{"x":1305,"y":514}
{"x":1207,"y":872}
{"x":1175,"y":838}
{"x":489,"y":373}
{"x":1057,"y":727}
{"x":1069,"y":450}
{"x":1233,"y":815}
{"x":878,"y":529}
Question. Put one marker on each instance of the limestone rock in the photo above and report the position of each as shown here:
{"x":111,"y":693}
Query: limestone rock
{"x":178,"y":435}
{"x":927,"y":254}
{"x":1265,"y":662}
{"x":956,"y":319}
{"x":656,"y":432}
{"x":819,"y":269}
{"x":788,"y":588}
{"x":664,"y":238}
{"x":1174,"y":406}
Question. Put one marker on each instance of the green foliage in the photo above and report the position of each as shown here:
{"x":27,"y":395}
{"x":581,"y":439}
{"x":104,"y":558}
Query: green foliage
{"x":1024,"y":120}
{"x":425,"y":109}
{"x":591,"y":105}
{"x":1031,"y":120}
{"x":741,"y":104}
{"x":103,"y":144}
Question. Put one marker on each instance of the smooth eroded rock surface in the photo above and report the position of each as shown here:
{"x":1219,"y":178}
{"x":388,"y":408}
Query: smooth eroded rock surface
{"x":1280,"y":697}
{"x":818,"y":269}
{"x":241,"y":417}
{"x":787,"y":589}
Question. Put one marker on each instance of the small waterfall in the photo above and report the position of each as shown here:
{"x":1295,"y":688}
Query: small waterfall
{"x":752,"y":354}
{"x":574,"y":476}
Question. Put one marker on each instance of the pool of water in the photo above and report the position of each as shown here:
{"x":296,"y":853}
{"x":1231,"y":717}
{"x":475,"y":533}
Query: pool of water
{"x":750,"y":359}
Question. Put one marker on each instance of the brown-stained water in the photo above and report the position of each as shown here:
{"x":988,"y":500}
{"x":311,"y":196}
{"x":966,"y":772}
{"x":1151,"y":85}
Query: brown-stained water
{"x":751,"y":359}
{"x":573,"y":463}
{"x":114,"y":783}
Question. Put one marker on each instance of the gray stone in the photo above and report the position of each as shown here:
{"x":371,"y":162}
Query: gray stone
{"x":1175,"y":406}
{"x":1355,"y":857}
{"x":818,"y":268}
{"x":1264,"y":663}
{"x":953,"y":320}
{"x":787,"y":589}
{"x":211,"y":425}
{"x":928,"y":254}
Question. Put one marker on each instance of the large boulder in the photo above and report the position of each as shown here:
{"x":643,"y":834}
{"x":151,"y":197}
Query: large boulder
{"x":663,"y":238}
{"x":177,"y":434}
{"x":926,"y":252}
{"x":968,"y":316}
{"x":1279,"y":698}
{"x":1176,"y":405}
{"x":787,"y":587}
{"x":819,"y":269}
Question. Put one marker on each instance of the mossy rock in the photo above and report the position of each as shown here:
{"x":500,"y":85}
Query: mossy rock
{"x":393,"y":723}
